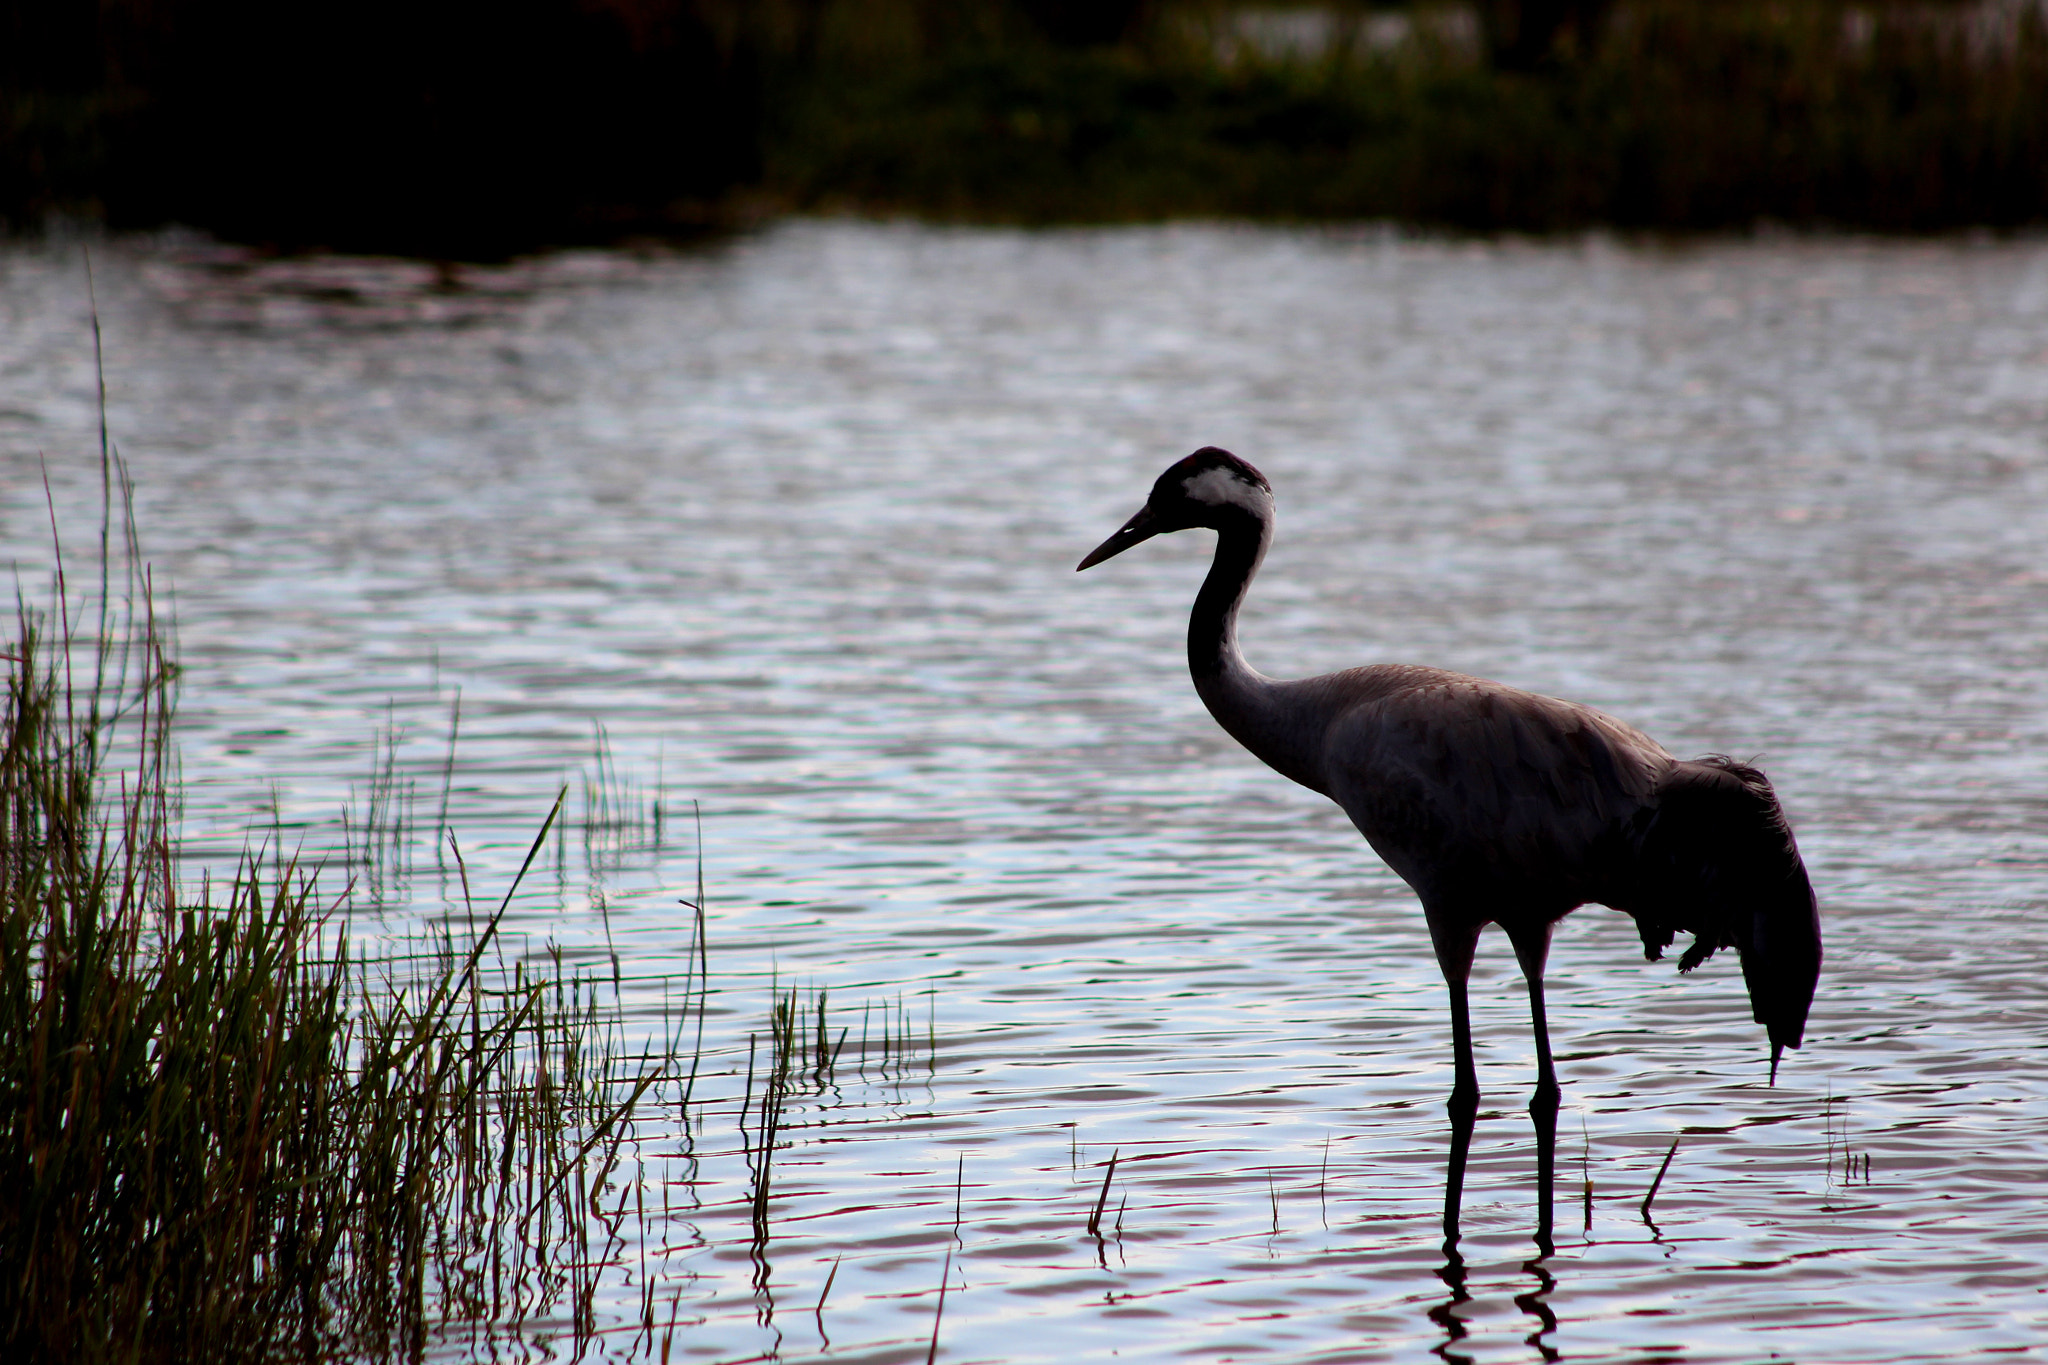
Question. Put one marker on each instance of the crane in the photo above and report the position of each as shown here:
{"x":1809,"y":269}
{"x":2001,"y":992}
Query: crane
{"x":1499,"y":806}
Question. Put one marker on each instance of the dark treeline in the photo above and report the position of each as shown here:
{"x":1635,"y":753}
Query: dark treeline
{"x":450,"y":127}
{"x":1507,"y":114}
{"x":441,"y":127}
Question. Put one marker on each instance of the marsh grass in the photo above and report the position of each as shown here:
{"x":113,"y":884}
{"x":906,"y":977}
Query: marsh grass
{"x":230,"y":1130}
{"x":377,"y":842}
{"x":803,"y":1058}
{"x":226,"y":1132}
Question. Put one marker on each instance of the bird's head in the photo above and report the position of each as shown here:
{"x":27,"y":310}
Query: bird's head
{"x":1210,"y":488}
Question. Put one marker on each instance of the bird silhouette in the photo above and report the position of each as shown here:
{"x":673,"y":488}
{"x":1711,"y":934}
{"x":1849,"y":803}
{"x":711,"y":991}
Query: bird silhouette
{"x":1499,"y":806}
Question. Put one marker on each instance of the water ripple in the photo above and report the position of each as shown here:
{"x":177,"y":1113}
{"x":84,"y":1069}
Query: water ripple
{"x":786,"y":528}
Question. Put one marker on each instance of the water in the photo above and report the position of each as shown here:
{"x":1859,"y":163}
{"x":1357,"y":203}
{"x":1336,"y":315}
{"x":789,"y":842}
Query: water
{"x":789,"y":527}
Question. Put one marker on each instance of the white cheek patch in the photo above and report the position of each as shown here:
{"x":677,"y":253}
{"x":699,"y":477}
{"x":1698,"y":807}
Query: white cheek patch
{"x":1218,"y":487}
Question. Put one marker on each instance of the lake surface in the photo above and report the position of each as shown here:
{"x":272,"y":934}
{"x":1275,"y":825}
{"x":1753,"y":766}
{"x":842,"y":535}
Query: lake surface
{"x":787,"y":528}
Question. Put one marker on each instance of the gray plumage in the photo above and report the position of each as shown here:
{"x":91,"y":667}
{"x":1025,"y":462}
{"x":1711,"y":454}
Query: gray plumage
{"x":1498,"y":805}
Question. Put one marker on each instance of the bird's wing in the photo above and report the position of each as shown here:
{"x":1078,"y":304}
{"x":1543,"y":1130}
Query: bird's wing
{"x":1464,"y":785}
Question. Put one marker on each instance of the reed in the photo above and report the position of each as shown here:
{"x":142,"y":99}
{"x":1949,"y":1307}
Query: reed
{"x":229,"y":1131}
{"x":226,"y":1132}
{"x":823,"y":1294}
{"x":377,"y":841}
{"x":1102,"y":1198}
{"x":1586,"y":1174}
{"x":939,"y":1314}
{"x":1323,"y":1185}
{"x":1658,"y":1183}
{"x":1852,"y":1167}
{"x":802,"y":1059}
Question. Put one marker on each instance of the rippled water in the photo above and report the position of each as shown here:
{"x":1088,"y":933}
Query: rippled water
{"x":794,"y":521}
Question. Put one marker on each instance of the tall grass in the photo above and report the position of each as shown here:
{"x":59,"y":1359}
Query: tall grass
{"x":226,"y":1133}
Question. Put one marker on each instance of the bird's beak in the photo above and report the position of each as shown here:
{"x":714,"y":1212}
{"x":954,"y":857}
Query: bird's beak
{"x":1143,"y":526}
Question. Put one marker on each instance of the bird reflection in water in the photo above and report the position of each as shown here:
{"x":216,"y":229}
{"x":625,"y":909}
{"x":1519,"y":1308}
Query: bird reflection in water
{"x":1533,"y":1301}
{"x":1445,"y":1314}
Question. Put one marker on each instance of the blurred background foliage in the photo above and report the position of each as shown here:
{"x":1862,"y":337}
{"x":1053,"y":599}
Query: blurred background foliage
{"x":462,"y":129}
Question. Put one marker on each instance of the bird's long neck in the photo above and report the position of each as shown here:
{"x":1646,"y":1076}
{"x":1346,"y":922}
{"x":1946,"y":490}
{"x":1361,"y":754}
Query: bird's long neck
{"x":1244,"y":701}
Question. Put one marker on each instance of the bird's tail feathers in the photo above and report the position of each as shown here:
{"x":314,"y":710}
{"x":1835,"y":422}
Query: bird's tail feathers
{"x":1719,"y":860}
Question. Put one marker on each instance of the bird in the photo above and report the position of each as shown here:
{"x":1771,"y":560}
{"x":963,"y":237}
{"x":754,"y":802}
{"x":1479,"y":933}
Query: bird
{"x":1500,"y":806}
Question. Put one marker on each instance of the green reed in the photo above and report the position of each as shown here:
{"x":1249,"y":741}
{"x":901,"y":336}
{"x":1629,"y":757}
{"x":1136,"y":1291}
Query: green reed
{"x":803,"y":1057}
{"x":226,"y":1133}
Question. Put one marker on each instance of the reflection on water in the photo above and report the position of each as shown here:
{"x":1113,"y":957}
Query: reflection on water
{"x":1533,"y":1301}
{"x":788,"y":528}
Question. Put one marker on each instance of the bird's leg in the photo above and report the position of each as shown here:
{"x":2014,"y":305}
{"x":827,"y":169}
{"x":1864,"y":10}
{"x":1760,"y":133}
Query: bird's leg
{"x":1464,"y":1107}
{"x":1532,"y":950}
{"x":1454,"y":948}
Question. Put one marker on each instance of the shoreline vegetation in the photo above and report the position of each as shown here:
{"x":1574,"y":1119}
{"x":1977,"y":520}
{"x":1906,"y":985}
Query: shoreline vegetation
{"x":463,"y":131}
{"x":231,"y":1130}
{"x":229,"y":1133}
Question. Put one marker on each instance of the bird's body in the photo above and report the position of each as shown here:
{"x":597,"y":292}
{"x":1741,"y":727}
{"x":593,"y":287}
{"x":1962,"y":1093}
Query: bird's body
{"x":1498,"y":805}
